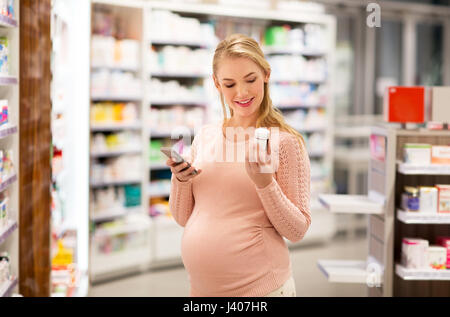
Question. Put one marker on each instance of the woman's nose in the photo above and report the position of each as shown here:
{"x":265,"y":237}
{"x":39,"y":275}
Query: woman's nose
{"x":242,"y":91}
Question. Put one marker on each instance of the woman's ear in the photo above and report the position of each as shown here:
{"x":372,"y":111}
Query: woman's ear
{"x":266,"y":79}
{"x":216,"y":83}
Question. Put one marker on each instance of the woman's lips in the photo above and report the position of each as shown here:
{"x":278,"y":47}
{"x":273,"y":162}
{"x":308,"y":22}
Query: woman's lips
{"x":244,"y":105}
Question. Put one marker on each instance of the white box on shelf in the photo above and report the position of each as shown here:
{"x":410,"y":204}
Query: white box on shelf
{"x":428,"y":199}
{"x":443,"y":198}
{"x":417,"y":153}
{"x":437,"y":257}
{"x":440,"y":154}
{"x":414,"y":253}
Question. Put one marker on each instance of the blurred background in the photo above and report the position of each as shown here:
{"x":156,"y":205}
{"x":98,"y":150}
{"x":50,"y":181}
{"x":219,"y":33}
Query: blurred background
{"x":127,"y":74}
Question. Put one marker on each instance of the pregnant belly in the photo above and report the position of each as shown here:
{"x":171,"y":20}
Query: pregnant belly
{"x":223,"y":252}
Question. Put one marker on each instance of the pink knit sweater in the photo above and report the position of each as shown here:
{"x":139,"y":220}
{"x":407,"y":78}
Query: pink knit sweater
{"x":232,"y":243}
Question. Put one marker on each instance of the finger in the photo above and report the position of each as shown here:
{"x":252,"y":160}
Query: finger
{"x":181,"y":166}
{"x":187,"y":172}
{"x":170,"y":162}
{"x":269,"y":151}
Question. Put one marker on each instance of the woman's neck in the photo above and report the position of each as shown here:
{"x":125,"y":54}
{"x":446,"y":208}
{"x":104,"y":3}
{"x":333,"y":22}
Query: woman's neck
{"x":241,"y":123}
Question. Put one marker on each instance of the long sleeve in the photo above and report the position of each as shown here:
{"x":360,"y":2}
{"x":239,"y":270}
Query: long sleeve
{"x":286,"y":200}
{"x":181,"y":199}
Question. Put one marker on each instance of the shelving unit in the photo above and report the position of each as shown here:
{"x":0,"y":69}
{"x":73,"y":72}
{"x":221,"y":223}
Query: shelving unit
{"x":110,"y":264}
{"x":387,"y":177}
{"x":9,"y":140}
{"x":8,"y":230}
{"x":166,"y":234}
{"x":421,"y":275}
{"x":70,"y":142}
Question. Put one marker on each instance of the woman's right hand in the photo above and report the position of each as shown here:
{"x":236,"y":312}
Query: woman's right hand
{"x":182,"y":176}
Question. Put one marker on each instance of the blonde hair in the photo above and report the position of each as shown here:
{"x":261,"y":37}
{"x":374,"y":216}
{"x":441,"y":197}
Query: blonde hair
{"x":239,"y":45}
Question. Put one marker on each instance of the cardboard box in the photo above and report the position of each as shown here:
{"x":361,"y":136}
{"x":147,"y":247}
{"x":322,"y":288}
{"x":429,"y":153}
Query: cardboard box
{"x":428,"y":199}
{"x":443,"y":198}
{"x":405,"y":104}
{"x":440,"y":108}
{"x":437,"y":257}
{"x":414,"y":253}
{"x":440,"y":154}
{"x":445,"y":242}
{"x":417,"y":153}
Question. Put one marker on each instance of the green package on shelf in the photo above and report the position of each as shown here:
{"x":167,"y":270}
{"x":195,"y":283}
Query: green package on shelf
{"x":276,"y":36}
{"x":154,"y":151}
{"x":132,"y":195}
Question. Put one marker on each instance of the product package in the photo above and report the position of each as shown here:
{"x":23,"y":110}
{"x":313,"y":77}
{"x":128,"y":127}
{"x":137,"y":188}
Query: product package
{"x":443,"y":198}
{"x":417,"y":153}
{"x":428,"y":199}
{"x":405,"y":104}
{"x":437,"y":257}
{"x":445,"y":242}
{"x":440,"y":111}
{"x":4,"y":267}
{"x":410,"y":199}
{"x":4,"y":112}
{"x":440,"y":154}
{"x":414,"y":253}
{"x":4,"y":69}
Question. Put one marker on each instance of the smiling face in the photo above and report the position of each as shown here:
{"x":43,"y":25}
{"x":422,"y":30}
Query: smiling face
{"x":241,"y":81}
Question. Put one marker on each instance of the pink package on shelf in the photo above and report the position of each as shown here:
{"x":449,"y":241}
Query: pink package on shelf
{"x":445,"y":242}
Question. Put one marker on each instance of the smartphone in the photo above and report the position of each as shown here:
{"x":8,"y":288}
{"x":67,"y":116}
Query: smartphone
{"x":174,"y":155}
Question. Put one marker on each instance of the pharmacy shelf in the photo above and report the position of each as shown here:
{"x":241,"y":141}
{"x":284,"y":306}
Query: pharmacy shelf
{"x":179,"y":43}
{"x":115,"y":68}
{"x":299,"y":106}
{"x":115,"y":153}
{"x":115,"y":127}
{"x":354,"y":204}
{"x":7,"y":287}
{"x":7,"y":230}
{"x":104,"y":266}
{"x":158,"y":193}
{"x":411,"y":169}
{"x":164,"y":134}
{"x":113,"y":213}
{"x":7,"y":22}
{"x":7,"y":130}
{"x":123,"y":229}
{"x":286,"y":50}
{"x":422,"y":274}
{"x":178,"y":75}
{"x":425,"y":218}
{"x":298,"y":80}
{"x":311,"y":130}
{"x":8,"y":80}
{"x":194,"y":103}
{"x":115,"y":183}
{"x":11,"y":179}
{"x":116,"y":98}
{"x":316,"y":154}
{"x":344,"y":271}
{"x":158,"y":166}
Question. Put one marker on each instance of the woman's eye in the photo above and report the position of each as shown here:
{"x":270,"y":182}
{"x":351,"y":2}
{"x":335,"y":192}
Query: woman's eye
{"x":229,"y":86}
{"x":252,"y":81}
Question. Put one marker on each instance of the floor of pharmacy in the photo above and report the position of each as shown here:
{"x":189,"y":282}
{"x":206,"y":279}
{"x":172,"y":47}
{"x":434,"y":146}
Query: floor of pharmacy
{"x":309,"y":280}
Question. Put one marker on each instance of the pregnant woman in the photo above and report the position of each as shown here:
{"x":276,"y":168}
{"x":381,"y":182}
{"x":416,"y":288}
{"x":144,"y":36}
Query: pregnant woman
{"x":237,"y":209}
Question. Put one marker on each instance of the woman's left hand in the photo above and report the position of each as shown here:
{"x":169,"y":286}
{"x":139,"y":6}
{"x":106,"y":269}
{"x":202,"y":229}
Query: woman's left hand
{"x":260,"y":168}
